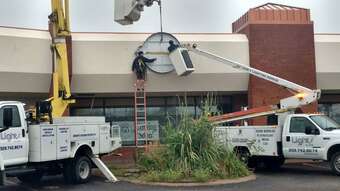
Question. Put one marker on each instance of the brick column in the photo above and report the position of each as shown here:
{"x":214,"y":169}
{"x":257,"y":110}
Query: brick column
{"x":281,"y":42}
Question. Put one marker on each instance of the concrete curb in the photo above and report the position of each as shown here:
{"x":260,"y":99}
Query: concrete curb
{"x":212,"y":183}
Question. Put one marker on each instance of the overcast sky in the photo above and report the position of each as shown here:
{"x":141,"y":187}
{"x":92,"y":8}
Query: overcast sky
{"x":178,"y":15}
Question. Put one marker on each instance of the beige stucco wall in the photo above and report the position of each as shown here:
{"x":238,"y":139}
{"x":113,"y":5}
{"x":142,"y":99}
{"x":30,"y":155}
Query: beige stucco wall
{"x":102,"y":63}
{"x":24,"y":60}
{"x":327,"y":55}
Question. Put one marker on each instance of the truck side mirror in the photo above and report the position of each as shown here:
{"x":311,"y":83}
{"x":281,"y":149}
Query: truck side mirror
{"x":8,"y":117}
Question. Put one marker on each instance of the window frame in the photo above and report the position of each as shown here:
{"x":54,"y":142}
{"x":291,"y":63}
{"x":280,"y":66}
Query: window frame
{"x":305,"y":118}
{"x":14,"y":109}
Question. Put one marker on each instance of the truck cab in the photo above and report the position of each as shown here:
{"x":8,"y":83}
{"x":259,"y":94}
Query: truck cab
{"x":13,"y":138}
{"x":311,"y":136}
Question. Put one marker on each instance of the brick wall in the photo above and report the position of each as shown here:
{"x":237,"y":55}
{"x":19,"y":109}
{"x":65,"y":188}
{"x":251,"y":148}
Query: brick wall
{"x":285,"y":50}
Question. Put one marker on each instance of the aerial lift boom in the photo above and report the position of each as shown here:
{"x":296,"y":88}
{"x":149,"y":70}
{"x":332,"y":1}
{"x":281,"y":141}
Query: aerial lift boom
{"x":302,"y":95}
{"x":59,"y":25}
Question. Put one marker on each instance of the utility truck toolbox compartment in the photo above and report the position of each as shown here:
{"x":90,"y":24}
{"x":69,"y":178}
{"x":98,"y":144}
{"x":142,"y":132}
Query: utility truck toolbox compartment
{"x":61,"y":139}
{"x":261,"y":140}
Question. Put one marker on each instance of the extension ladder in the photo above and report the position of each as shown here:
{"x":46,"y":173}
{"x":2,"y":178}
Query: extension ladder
{"x":140,"y":111}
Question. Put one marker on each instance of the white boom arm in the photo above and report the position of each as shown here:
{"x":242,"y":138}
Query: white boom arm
{"x":303,"y":96}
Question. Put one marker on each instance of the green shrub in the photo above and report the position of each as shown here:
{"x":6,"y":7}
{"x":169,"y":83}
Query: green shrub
{"x":190,"y":152}
{"x":201,"y":175}
{"x":233,"y":166}
{"x":152,"y":161}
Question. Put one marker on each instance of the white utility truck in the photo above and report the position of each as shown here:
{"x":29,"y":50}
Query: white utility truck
{"x":295,"y":136}
{"x":298,"y":136}
{"x":47,"y":142}
{"x":70,"y":145}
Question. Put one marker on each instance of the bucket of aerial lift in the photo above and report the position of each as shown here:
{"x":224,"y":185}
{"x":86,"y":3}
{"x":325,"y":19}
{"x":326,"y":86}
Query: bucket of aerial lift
{"x":181,"y":60}
{"x":128,"y":11}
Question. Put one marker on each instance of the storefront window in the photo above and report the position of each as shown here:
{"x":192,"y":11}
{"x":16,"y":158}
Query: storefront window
{"x":87,"y":112}
{"x":331,"y":110}
{"x":160,"y":110}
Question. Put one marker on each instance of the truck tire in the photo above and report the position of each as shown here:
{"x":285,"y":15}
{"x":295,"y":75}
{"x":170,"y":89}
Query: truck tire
{"x":78,"y":170}
{"x":244,"y":156}
{"x":31,"y":178}
{"x":274,"y":163}
{"x":335,"y":163}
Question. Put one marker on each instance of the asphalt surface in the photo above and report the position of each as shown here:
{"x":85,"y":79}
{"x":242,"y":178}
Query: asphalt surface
{"x":291,"y":177}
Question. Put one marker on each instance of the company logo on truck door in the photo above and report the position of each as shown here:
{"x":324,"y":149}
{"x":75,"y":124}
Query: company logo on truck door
{"x":9,"y":136}
{"x":302,"y":140}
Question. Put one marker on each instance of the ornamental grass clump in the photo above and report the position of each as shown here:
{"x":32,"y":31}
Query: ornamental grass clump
{"x":190,"y":153}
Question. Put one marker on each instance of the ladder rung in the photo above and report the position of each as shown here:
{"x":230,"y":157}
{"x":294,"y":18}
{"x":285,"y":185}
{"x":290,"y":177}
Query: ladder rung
{"x":140,"y":104}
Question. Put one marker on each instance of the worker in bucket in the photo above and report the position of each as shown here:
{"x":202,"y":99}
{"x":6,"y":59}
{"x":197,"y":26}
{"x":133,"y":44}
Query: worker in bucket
{"x":139,"y":67}
{"x":172,"y":46}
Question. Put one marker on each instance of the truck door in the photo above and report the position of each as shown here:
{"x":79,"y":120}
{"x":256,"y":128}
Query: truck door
{"x":13,"y":141}
{"x":299,"y":143}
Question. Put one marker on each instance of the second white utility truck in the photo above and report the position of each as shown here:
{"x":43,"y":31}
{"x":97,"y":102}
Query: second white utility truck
{"x":298,"y":136}
{"x":293,"y":136}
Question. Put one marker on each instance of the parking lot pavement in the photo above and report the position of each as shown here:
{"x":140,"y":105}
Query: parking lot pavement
{"x":302,"y":176}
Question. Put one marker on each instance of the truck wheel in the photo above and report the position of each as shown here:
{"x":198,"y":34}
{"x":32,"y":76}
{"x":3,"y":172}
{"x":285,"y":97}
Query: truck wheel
{"x":244,"y":156}
{"x":81,"y":170}
{"x":335,"y":163}
{"x":32,"y":178}
{"x":274,"y":163}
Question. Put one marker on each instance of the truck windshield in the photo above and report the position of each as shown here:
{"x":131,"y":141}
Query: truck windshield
{"x":325,"y":122}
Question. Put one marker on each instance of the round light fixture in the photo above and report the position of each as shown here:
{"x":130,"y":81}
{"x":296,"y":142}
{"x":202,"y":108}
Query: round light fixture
{"x":156,"y":46}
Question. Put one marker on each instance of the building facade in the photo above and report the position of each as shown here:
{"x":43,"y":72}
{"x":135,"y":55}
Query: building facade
{"x":274,"y":38}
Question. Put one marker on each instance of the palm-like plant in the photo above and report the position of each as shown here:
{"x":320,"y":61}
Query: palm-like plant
{"x":190,"y":147}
